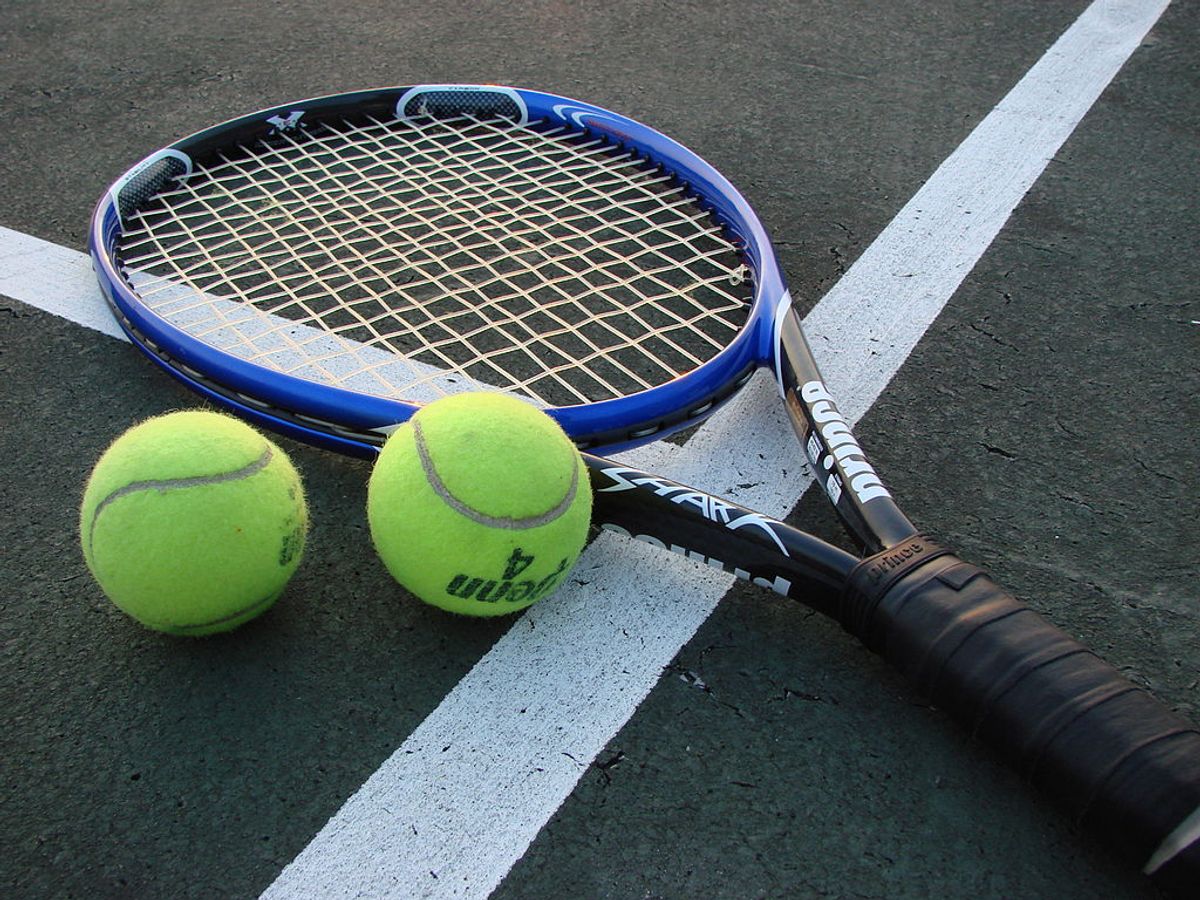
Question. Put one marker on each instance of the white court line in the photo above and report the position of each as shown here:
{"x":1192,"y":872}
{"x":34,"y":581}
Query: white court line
{"x":451,"y":811}
{"x":55,"y":279}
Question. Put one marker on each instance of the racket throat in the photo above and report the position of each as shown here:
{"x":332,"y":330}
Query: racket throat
{"x":836,"y":458}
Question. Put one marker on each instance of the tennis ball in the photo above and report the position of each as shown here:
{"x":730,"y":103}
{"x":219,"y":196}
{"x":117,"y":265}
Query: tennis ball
{"x":479,"y":504}
{"x":193,"y":522}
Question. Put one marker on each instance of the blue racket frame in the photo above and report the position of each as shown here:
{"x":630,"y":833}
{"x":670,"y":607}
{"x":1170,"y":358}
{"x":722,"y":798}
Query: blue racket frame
{"x":352,"y":422}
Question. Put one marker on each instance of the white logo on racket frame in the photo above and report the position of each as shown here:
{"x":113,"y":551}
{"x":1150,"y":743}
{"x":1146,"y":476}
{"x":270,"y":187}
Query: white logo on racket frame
{"x":713,"y":508}
{"x":840,"y":446}
{"x":283,"y":124}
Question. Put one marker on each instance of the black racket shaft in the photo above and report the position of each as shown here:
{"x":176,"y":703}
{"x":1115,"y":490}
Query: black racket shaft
{"x":1120,"y":762}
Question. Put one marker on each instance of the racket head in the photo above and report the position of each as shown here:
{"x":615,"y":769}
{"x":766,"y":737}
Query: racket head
{"x":296,"y":386}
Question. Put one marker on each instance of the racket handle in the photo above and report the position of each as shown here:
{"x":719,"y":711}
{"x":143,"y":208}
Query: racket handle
{"x":1123,"y":764}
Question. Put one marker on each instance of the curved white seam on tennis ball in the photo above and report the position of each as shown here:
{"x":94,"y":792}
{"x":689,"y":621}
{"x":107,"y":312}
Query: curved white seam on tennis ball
{"x":168,"y":484}
{"x":184,"y":628}
{"x":439,"y":487}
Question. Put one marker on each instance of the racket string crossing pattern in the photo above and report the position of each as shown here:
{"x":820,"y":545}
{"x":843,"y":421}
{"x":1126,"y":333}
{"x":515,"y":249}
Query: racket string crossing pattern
{"x":412,"y":258}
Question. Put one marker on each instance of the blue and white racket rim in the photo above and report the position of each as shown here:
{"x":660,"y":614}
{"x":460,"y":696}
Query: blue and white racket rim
{"x":215,"y":307}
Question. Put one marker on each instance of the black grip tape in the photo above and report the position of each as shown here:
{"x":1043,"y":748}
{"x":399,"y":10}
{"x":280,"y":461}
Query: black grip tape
{"x":1121,"y":763}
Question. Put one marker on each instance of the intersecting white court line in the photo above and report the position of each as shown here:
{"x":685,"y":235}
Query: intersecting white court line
{"x":452,"y":810}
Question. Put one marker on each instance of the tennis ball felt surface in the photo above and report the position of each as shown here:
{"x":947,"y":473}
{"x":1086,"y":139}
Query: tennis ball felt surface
{"x":193,"y":522}
{"x":479,"y":504}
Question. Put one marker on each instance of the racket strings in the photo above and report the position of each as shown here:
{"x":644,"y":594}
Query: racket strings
{"x":408,"y":258}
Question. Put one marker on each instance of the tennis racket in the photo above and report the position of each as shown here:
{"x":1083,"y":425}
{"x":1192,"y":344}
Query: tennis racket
{"x":325,"y":267}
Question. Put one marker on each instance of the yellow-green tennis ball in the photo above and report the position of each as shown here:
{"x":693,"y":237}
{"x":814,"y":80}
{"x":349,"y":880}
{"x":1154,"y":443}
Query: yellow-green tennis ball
{"x":193,"y":522}
{"x":479,"y":504}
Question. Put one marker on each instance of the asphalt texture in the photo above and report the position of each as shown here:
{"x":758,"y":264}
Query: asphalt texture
{"x":1046,"y":426}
